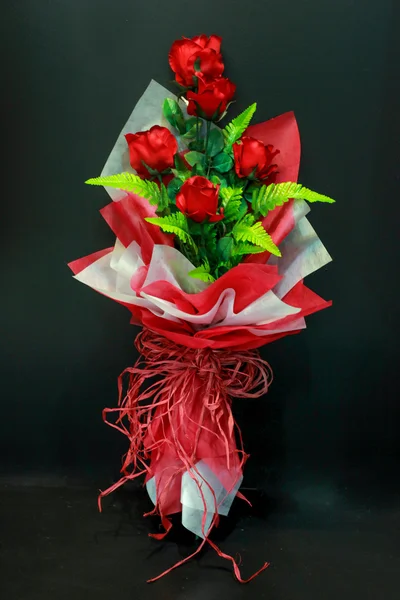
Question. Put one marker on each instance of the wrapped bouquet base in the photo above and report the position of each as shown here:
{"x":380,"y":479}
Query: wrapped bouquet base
{"x":181,"y":429}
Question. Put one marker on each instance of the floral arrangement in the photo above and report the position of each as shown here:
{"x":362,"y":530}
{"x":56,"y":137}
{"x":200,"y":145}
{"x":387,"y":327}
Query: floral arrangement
{"x":212,"y":246}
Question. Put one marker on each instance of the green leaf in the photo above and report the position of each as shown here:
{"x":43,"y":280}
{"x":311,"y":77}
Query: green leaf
{"x":174,"y":115}
{"x":130,"y":183}
{"x":243,"y":248}
{"x":215,"y":142}
{"x":191,"y":127}
{"x":248,"y":231}
{"x":231,"y":212}
{"x":173,"y":187}
{"x":198,"y":146}
{"x":234,"y":130}
{"x":175,"y":223}
{"x":202,"y":273}
{"x":231,"y":201}
{"x":195,"y":228}
{"x":164,"y":200}
{"x":233,"y":179}
{"x":210,"y":239}
{"x":222,"y":162}
{"x":229,"y":193}
{"x":152,"y":172}
{"x":191,"y":122}
{"x":190,"y":134}
{"x":181,"y":169}
{"x":222,"y":268}
{"x":224,"y":248}
{"x":267,"y":198}
{"x":194,"y":158}
{"x":248,"y":193}
{"x":244,"y":207}
{"x":198,"y":169}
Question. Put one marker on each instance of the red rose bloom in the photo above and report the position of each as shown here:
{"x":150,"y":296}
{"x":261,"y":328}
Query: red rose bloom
{"x":212,"y":98}
{"x":253,"y":158}
{"x":155,"y":147}
{"x":198,"y":199}
{"x":202,"y":50}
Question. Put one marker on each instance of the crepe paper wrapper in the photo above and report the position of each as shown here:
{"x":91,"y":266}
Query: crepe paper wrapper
{"x":190,"y":458}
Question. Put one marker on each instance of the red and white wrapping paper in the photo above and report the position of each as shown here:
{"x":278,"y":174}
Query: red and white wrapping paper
{"x":253,"y":304}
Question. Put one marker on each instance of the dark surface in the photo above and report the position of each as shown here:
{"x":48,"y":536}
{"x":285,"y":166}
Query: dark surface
{"x":73,"y":71}
{"x":322,"y":545}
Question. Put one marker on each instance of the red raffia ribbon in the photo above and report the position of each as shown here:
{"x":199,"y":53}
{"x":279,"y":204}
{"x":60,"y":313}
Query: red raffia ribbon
{"x":183,"y":415}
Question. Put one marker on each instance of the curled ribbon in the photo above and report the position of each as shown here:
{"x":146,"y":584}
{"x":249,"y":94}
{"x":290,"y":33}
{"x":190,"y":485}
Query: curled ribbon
{"x":178,"y":407}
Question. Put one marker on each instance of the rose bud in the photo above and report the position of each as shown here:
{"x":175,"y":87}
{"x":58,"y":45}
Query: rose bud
{"x":198,"y":199}
{"x":197,"y":55}
{"x":212,"y":98}
{"x":253,"y":159}
{"x":154,"y":148}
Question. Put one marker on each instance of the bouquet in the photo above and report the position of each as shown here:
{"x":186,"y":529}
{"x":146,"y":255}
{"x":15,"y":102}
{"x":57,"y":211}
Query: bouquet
{"x":212,"y":247}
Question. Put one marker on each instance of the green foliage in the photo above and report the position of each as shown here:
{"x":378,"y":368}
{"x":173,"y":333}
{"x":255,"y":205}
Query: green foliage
{"x":222,"y":162}
{"x":176,"y":224}
{"x":232,"y":203}
{"x":210,"y":240}
{"x":197,"y":145}
{"x":232,"y":211}
{"x":164,"y":199}
{"x":173,"y":187}
{"x":222,"y":268}
{"x":234,"y":130}
{"x":198,"y":169}
{"x":130,"y":183}
{"x":191,"y":122}
{"x":224,"y":248}
{"x":174,"y":115}
{"x":247,"y":230}
{"x":215,"y":142}
{"x":243,"y":248}
{"x":194,"y":158}
{"x":191,"y":126}
{"x":202,"y":273}
{"x":181,"y":171}
{"x":228,"y":193}
{"x":267,"y":198}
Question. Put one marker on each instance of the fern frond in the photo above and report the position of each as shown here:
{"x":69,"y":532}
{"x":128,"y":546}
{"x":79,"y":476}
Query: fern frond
{"x":232,"y":211}
{"x":130,"y":183}
{"x":230,"y":193}
{"x":202,"y":273}
{"x":267,"y":198}
{"x":234,"y":130}
{"x":175,"y":223}
{"x":243,"y":248}
{"x":254,"y":233}
{"x":231,"y":201}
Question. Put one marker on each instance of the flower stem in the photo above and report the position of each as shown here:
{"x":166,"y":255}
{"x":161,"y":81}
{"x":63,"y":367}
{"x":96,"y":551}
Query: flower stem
{"x":207,"y":136}
{"x":197,"y":132}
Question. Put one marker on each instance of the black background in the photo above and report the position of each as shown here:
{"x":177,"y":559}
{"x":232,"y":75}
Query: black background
{"x":72,"y":72}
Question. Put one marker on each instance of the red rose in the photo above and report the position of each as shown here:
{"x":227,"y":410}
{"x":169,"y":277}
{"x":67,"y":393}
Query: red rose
{"x":253,"y":158}
{"x":212,"y":98}
{"x":155,"y":147}
{"x":198,"y":199}
{"x":199,"y":54}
